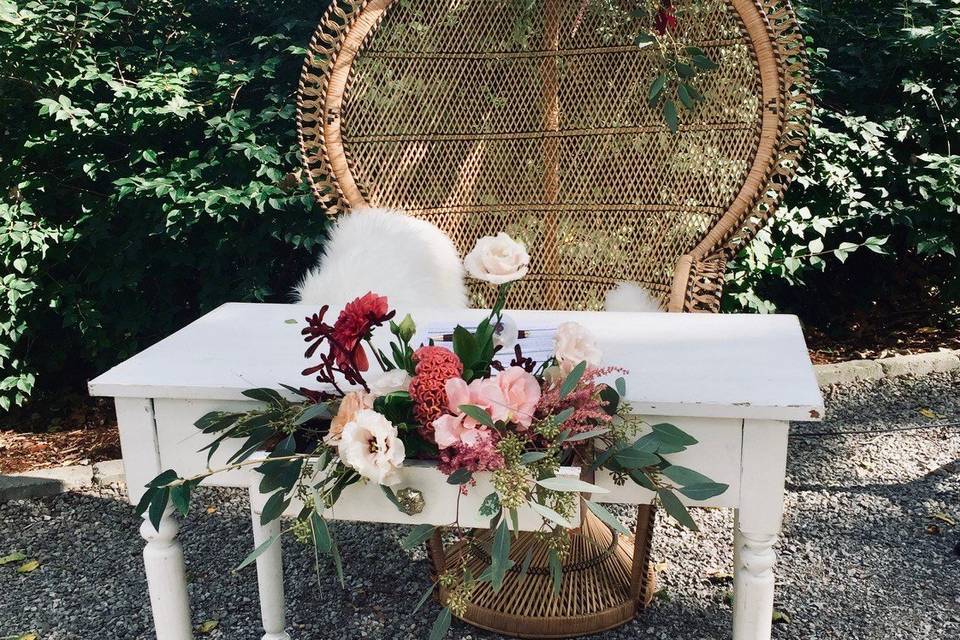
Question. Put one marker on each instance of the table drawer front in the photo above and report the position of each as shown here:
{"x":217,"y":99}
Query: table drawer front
{"x":717,"y":455}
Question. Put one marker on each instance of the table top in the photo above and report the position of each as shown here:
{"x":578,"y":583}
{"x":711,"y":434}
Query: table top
{"x":699,"y":365}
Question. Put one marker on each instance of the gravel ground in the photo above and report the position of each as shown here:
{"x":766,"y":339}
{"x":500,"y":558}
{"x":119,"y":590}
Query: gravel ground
{"x":863,"y":554}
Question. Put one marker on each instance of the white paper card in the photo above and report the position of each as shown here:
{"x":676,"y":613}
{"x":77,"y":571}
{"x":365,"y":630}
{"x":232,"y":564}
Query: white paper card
{"x":536,"y":341}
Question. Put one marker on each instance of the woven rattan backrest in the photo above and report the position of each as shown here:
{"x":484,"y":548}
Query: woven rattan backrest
{"x":532,"y":116}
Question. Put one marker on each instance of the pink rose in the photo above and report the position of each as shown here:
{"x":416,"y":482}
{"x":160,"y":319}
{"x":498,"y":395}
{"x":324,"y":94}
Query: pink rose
{"x":521,"y":393}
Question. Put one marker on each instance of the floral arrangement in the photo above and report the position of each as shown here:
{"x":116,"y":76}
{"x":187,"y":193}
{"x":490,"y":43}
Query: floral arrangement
{"x":469,"y":408}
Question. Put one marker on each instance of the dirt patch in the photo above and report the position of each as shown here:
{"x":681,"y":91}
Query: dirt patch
{"x":70,"y":430}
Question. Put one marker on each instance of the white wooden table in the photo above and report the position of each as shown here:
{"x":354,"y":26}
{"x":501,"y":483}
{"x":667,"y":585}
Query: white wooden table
{"x":732,"y":381}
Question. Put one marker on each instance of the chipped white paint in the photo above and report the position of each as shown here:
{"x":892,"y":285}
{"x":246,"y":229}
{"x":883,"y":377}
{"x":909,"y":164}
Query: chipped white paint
{"x":733,"y":382}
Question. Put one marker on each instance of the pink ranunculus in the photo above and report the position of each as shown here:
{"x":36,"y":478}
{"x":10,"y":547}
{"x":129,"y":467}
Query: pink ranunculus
{"x":521,"y":393}
{"x":484,"y":393}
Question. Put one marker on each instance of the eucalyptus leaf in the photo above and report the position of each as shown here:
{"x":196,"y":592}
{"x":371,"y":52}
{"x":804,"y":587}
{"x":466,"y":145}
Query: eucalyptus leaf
{"x":570,"y":484}
{"x":500,"y":555}
{"x":675,"y":509}
{"x":477,"y":414}
{"x":418,"y":535}
{"x":532,"y":456}
{"x":572,"y":380}
{"x":549,"y":514}
{"x":704,"y":491}
{"x":556,"y":570}
{"x":441,"y":625}
{"x":608,"y":518}
{"x":256,"y":553}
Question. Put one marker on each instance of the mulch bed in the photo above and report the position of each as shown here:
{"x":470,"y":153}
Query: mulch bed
{"x":69,"y":431}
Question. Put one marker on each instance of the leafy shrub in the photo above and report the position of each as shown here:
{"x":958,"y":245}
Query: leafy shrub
{"x":880,"y":175}
{"x":149,"y":172}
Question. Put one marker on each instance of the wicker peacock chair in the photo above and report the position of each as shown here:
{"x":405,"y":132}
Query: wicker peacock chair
{"x":533,"y":116}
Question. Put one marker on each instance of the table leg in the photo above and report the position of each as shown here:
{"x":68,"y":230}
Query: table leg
{"x":270,"y":577}
{"x":757,"y":525}
{"x":753,"y":585}
{"x":167,"y":579}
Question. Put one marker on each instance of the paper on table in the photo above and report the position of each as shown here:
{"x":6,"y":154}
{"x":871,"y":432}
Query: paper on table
{"x":536,"y":342}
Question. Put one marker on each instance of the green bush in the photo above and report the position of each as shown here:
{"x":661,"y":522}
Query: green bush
{"x":149,"y":173}
{"x":881,"y":174}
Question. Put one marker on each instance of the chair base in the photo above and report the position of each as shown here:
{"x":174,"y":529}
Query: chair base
{"x":607,"y":580}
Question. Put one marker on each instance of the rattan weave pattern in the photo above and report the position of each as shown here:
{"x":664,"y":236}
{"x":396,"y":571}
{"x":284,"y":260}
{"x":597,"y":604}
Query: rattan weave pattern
{"x":459,"y":112}
{"x":465,"y":114}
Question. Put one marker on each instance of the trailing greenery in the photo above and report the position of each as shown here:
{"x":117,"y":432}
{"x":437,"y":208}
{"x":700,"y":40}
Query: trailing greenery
{"x":881,"y":174}
{"x":148,"y":173}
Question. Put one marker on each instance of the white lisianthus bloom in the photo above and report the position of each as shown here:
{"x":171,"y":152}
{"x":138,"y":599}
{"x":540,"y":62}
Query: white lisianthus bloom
{"x":389,"y":382}
{"x":497,"y":260}
{"x":370,"y":445}
{"x":573,"y":344}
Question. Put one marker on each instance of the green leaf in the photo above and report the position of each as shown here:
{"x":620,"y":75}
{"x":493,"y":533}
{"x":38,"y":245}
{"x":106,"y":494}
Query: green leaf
{"x":466,"y":347}
{"x":265,"y":395}
{"x":684,"y":476}
{"x":643,"y":40}
{"x":490,"y":506}
{"x":441,"y":625}
{"x":275,"y":506}
{"x":657,"y":88}
{"x":669,"y":434}
{"x":675,"y":509}
{"x":312,"y":412}
{"x":532,"y":456}
{"x":670,"y":115}
{"x":563,"y":416}
{"x":500,"y":555}
{"x":145,"y":501}
{"x":525,"y":565}
{"x":322,"y":539}
{"x":570,"y":484}
{"x":477,"y":414}
{"x":16,"y":556}
{"x":337,"y":561}
{"x":257,"y":552}
{"x":549,"y":514}
{"x":572,"y":380}
{"x":164,"y":479}
{"x":587,"y":435}
{"x":684,"y":70}
{"x":423,"y":598}
{"x":157,"y":507}
{"x":460,"y":476}
{"x":643,"y":480}
{"x":705,"y":63}
{"x":417,"y":536}
{"x":608,"y":518}
{"x":180,"y":497}
{"x":621,"y":387}
{"x":704,"y":491}
{"x":634,"y":457}
{"x":556,"y":570}
{"x":685,"y":98}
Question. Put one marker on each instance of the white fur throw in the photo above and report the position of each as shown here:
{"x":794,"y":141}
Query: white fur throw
{"x":410,"y":261}
{"x":628,"y":296}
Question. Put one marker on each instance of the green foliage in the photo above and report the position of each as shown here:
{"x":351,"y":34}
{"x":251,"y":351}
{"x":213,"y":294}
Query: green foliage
{"x":148,"y":173}
{"x":881,"y":174}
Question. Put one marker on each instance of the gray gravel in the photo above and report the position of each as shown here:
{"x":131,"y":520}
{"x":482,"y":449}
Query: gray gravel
{"x":857,"y":558}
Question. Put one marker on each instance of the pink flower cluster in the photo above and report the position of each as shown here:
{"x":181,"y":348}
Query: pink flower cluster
{"x":511,"y":396}
{"x":589,"y":410}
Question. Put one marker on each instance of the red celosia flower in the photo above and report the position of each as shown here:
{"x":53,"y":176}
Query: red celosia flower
{"x":435,"y":365}
{"x":666,"y":19}
{"x":353,"y":325}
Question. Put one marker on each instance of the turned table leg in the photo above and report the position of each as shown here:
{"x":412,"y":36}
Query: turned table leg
{"x":270,"y":577}
{"x":758,"y":521}
{"x":167,"y":579}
